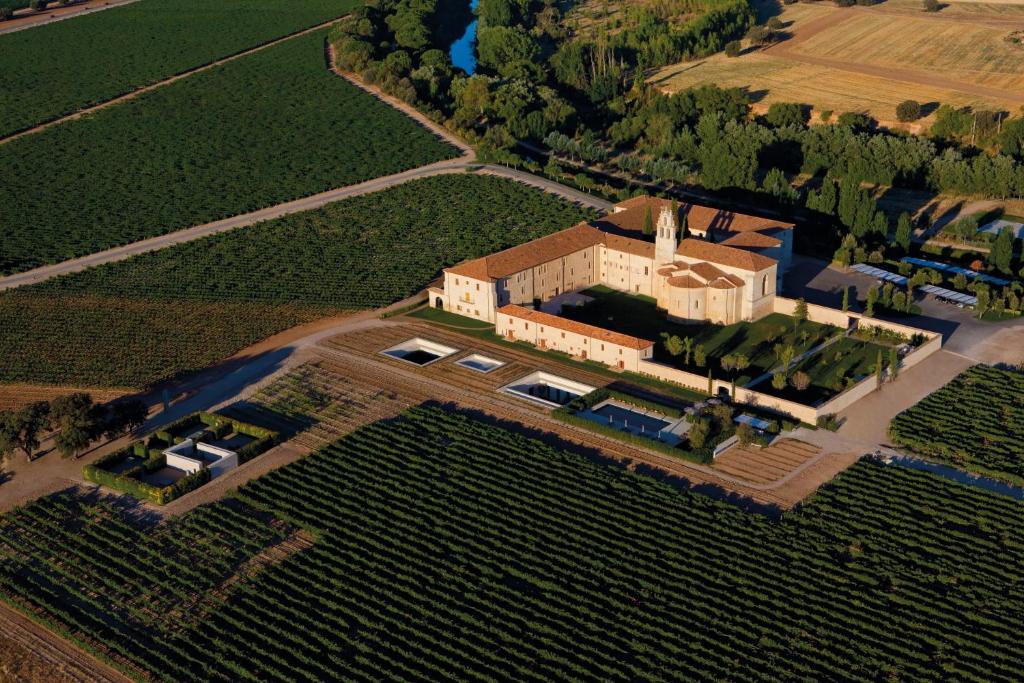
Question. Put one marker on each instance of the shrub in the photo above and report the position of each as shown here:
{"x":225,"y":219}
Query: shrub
{"x":775,"y":24}
{"x":6,"y":13}
{"x":931,"y":5}
{"x":845,"y":3}
{"x":38,"y":5}
{"x":908,"y":110}
{"x":733,"y":48}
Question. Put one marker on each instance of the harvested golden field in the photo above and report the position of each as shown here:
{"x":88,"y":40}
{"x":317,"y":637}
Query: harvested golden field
{"x":15,"y":396}
{"x":870,"y":59}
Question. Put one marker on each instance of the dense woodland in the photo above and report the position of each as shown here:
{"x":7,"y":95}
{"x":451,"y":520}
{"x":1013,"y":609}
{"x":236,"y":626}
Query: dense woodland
{"x":535,"y":77}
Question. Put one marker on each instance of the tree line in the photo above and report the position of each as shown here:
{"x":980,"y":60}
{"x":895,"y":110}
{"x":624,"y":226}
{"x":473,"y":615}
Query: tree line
{"x":77,"y":420}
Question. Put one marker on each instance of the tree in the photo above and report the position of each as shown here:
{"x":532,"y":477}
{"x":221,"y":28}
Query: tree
{"x":776,"y":185}
{"x":931,"y":5}
{"x":733,"y":48}
{"x":648,"y":221}
{"x":894,"y":363}
{"x":125,"y":417}
{"x":800,"y":380}
{"x":879,"y":369}
{"x":1002,"y":251}
{"x":506,"y":50}
{"x":775,"y":24}
{"x":846,"y":299}
{"x":700,"y":356}
{"x":33,"y":419}
{"x":10,"y":430}
{"x":699,"y":431}
{"x":904,"y":230}
{"x":782,"y":114}
{"x":6,"y":13}
{"x":908,"y":110}
{"x":984,"y":299}
{"x":745,"y":434}
{"x":872,"y":299}
{"x":673,"y":344}
{"x":779,"y":381}
{"x":687,"y":349}
{"x":800,"y":311}
{"x":76,"y":418}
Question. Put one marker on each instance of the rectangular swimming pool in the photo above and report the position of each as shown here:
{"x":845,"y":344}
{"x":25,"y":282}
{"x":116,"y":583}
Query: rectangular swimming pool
{"x":625,"y":419}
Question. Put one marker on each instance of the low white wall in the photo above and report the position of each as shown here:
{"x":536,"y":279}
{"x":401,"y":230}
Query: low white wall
{"x":183,"y":463}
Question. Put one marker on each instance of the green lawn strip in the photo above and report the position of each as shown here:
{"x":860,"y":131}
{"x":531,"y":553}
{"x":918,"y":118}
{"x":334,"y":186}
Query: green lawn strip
{"x":265,"y":129}
{"x":163,"y":313}
{"x":448,"y":319}
{"x":54,"y":70}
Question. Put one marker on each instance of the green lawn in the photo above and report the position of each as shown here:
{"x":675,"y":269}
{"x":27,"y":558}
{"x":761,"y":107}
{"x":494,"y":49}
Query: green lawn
{"x":442,"y":317}
{"x":54,"y":70}
{"x":640,"y":316}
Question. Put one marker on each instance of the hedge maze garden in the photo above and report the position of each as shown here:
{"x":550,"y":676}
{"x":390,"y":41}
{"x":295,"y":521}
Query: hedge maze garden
{"x":143,"y":43}
{"x":975,"y":422}
{"x":447,"y":548}
{"x":259,"y":131}
{"x":134,"y":322}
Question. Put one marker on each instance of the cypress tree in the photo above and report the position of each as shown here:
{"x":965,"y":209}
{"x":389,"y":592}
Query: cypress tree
{"x":904,"y":229}
{"x":648,"y":221}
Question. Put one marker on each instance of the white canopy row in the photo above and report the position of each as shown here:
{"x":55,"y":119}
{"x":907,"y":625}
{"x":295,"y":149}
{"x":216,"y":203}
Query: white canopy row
{"x":950,"y":295}
{"x":956,"y":269}
{"x":880,"y":274}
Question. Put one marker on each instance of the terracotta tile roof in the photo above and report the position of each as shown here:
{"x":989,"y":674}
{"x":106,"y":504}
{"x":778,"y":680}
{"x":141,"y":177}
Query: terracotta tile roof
{"x":531,"y":254}
{"x":698,"y":218}
{"x":722,"y":283}
{"x":629,"y":245}
{"x":559,"y":323}
{"x":706,"y":271}
{"x":685,"y":282}
{"x":752,"y":240}
{"x":723,"y":255}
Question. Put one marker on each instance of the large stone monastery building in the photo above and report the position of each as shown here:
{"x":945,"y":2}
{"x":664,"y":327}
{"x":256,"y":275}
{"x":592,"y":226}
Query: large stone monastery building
{"x":701,"y":264}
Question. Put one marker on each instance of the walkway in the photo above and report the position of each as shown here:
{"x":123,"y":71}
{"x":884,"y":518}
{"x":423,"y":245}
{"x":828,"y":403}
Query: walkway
{"x":796,"y":361}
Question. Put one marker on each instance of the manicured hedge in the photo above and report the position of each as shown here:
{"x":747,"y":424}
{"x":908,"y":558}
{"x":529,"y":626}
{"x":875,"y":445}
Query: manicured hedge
{"x":152,"y":449}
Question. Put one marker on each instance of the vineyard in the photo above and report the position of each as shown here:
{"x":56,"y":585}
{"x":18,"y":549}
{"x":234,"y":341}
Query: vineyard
{"x":448,"y":549}
{"x":144,"y":42}
{"x":265,"y":129}
{"x":975,"y":422}
{"x":194,"y":304}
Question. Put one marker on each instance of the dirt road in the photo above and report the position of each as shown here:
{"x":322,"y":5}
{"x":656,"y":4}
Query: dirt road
{"x":27,"y":18}
{"x":53,"y":650}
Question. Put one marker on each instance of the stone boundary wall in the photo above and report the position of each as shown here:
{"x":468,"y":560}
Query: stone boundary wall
{"x":800,"y":411}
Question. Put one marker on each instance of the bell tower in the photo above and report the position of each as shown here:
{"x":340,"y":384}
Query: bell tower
{"x":667,"y":238}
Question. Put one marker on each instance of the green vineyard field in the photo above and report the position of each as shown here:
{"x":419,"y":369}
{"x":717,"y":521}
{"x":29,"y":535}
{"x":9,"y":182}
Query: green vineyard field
{"x":975,"y":422}
{"x":268,"y":128}
{"x":448,"y":549}
{"x":159,"y":314}
{"x":142,"y":43}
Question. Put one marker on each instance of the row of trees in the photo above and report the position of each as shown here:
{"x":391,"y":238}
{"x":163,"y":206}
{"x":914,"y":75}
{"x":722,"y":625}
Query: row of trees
{"x":77,"y":420}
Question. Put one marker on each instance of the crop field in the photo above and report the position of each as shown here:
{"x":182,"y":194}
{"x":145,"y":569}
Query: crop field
{"x":975,"y":422}
{"x":143,"y":43}
{"x":870,"y":59}
{"x":448,"y":549}
{"x":134,"y":322}
{"x":265,"y":129}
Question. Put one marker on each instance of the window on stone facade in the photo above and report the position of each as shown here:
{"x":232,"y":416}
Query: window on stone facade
{"x":478,"y":287}
{"x":764,"y":285}
{"x":647,"y":270}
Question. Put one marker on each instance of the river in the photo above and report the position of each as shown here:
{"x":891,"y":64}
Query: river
{"x":463,"y":50}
